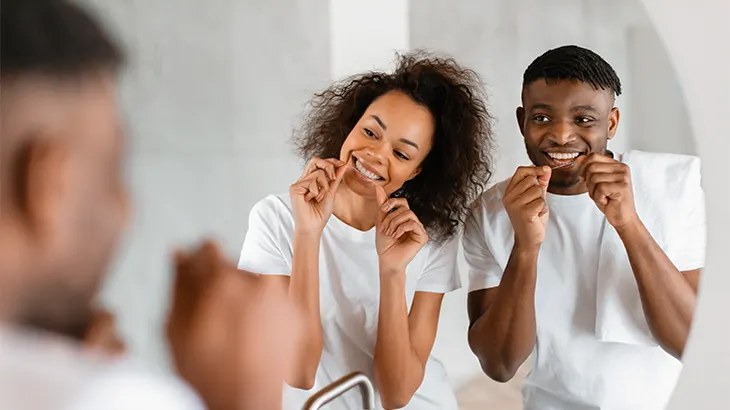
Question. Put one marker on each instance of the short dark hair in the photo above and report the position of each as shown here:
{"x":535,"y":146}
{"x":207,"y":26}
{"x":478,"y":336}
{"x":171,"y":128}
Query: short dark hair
{"x":53,"y":38}
{"x":572,"y":62}
{"x":459,"y":164}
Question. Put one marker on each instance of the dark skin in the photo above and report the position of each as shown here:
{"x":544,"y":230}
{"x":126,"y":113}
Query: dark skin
{"x":573,"y":122}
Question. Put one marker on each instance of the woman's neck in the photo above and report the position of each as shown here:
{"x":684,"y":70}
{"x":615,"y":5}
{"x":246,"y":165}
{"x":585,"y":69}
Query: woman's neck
{"x":355,"y":210}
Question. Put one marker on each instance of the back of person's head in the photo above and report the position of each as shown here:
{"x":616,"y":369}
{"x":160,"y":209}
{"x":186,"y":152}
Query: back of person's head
{"x":573,"y":63}
{"x":61,"y":191}
{"x":458,"y":165}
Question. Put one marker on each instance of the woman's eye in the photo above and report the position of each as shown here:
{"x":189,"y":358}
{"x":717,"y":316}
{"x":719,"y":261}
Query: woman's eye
{"x":369,"y":133}
{"x":401,"y":155}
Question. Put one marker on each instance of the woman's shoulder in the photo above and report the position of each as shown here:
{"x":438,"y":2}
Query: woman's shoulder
{"x":273,"y":205}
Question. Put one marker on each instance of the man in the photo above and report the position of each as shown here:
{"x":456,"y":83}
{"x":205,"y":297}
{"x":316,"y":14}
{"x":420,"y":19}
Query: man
{"x":64,"y":207}
{"x":588,"y":260}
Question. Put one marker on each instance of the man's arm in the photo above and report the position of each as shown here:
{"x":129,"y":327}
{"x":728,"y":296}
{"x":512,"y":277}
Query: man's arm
{"x":668,"y":296}
{"x":502,"y":319}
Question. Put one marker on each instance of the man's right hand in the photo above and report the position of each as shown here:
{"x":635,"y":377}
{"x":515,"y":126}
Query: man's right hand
{"x":314,"y":193}
{"x":524,"y":200}
{"x":229,"y":332}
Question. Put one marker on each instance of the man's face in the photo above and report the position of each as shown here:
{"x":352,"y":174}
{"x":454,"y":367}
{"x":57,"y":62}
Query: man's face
{"x":562,"y":121}
{"x":77,"y":204}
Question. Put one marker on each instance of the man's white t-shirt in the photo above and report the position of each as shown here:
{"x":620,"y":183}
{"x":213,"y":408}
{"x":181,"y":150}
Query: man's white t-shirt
{"x":349,"y":297}
{"x":572,"y":369}
{"x":44,"y":372}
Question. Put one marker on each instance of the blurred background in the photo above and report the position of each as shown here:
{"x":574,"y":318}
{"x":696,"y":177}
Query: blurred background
{"x":214,"y":90}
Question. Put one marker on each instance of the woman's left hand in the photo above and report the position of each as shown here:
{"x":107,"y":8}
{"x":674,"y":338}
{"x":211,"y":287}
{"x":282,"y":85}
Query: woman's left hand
{"x":399,"y":233}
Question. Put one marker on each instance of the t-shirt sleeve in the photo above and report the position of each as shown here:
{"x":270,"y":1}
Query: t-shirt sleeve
{"x":127,"y":390}
{"x":266,"y":249}
{"x":441,"y":274}
{"x":689,"y":254}
{"x":484,"y":271}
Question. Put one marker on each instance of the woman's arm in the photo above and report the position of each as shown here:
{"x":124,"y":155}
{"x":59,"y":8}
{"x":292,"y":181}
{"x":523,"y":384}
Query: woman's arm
{"x":404,"y":340}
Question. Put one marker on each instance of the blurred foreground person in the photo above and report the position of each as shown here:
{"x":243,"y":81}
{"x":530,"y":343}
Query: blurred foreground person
{"x":63,"y":208}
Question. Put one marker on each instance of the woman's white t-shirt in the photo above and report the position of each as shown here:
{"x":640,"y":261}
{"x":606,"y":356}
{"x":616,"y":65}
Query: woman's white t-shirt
{"x":349,"y":297}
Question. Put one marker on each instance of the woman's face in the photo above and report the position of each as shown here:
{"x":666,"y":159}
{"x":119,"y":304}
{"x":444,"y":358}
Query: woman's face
{"x":388,"y":144}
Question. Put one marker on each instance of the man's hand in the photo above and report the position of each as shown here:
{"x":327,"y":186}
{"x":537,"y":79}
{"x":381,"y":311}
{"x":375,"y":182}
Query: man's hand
{"x":609,"y":185}
{"x":229,"y":332}
{"x":524,"y":201}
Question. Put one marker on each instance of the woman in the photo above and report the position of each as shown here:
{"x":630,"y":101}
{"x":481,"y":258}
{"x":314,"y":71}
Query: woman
{"x":366,"y":237}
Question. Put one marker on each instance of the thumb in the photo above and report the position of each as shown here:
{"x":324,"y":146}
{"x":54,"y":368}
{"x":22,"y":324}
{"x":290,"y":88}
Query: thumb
{"x":380,"y":195}
{"x":543,"y":175}
{"x":339,"y":175}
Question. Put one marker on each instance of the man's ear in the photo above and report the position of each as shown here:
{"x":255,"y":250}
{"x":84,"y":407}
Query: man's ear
{"x":41,"y":181}
{"x":613,"y":119}
{"x":520,"y":113}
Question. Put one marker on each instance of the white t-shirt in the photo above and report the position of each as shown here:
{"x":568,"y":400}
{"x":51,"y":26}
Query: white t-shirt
{"x":349,"y":297}
{"x":43,"y":372}
{"x":572,"y":369}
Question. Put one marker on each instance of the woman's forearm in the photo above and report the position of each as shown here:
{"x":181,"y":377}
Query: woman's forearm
{"x":398,"y":369}
{"x":304,"y":296}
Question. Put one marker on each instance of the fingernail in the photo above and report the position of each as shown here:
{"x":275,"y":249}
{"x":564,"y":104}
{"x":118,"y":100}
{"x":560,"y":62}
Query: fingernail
{"x":385,"y":207}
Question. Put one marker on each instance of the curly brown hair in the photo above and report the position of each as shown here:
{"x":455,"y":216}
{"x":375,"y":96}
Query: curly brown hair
{"x":459,"y":165}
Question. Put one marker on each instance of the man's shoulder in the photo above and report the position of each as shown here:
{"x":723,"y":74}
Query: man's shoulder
{"x":491,"y":199}
{"x":664,"y":174}
{"x":662,"y":162}
{"x":71,"y":378}
{"x":131,"y":387}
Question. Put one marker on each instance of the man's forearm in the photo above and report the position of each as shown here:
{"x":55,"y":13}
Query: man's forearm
{"x":667,"y":297}
{"x":504,"y":336}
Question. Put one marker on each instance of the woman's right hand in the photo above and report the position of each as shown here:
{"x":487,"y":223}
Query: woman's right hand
{"x":314,"y":193}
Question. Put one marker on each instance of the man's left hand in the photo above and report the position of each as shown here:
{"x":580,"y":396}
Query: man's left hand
{"x":609,"y":185}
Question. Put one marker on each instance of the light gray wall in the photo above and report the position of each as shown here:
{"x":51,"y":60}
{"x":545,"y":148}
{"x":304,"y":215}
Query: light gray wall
{"x":211,"y":94}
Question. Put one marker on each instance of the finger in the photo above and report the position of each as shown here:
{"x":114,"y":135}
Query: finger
{"x":339,"y":175}
{"x":402,"y":220}
{"x":313,"y":189}
{"x":394,"y":203}
{"x":524,"y":172}
{"x":530,"y":195}
{"x":544,"y":176}
{"x":387,"y":223}
{"x":521,"y":187}
{"x":413,"y":227}
{"x":380,"y":195}
{"x":317,"y":163}
{"x":323,"y":184}
{"x":604,"y":177}
{"x":601,"y":193}
{"x":586,"y":161}
{"x":536,"y":208}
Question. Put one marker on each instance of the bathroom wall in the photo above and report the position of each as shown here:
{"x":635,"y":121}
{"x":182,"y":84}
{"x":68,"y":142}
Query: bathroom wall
{"x":211,"y":94}
{"x":214,"y":89}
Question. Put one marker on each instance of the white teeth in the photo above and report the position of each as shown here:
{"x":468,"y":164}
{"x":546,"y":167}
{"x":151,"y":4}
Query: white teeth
{"x":563,"y":155}
{"x":365,"y":172}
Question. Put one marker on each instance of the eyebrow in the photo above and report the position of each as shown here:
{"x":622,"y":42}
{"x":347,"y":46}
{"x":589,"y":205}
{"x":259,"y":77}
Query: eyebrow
{"x":382,"y":124}
{"x":409,"y":142}
{"x":403,"y":140}
{"x":543,"y":106}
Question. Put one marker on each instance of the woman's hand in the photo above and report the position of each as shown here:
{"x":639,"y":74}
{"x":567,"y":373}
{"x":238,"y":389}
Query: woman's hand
{"x":314,"y":193}
{"x":400,"y":235}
